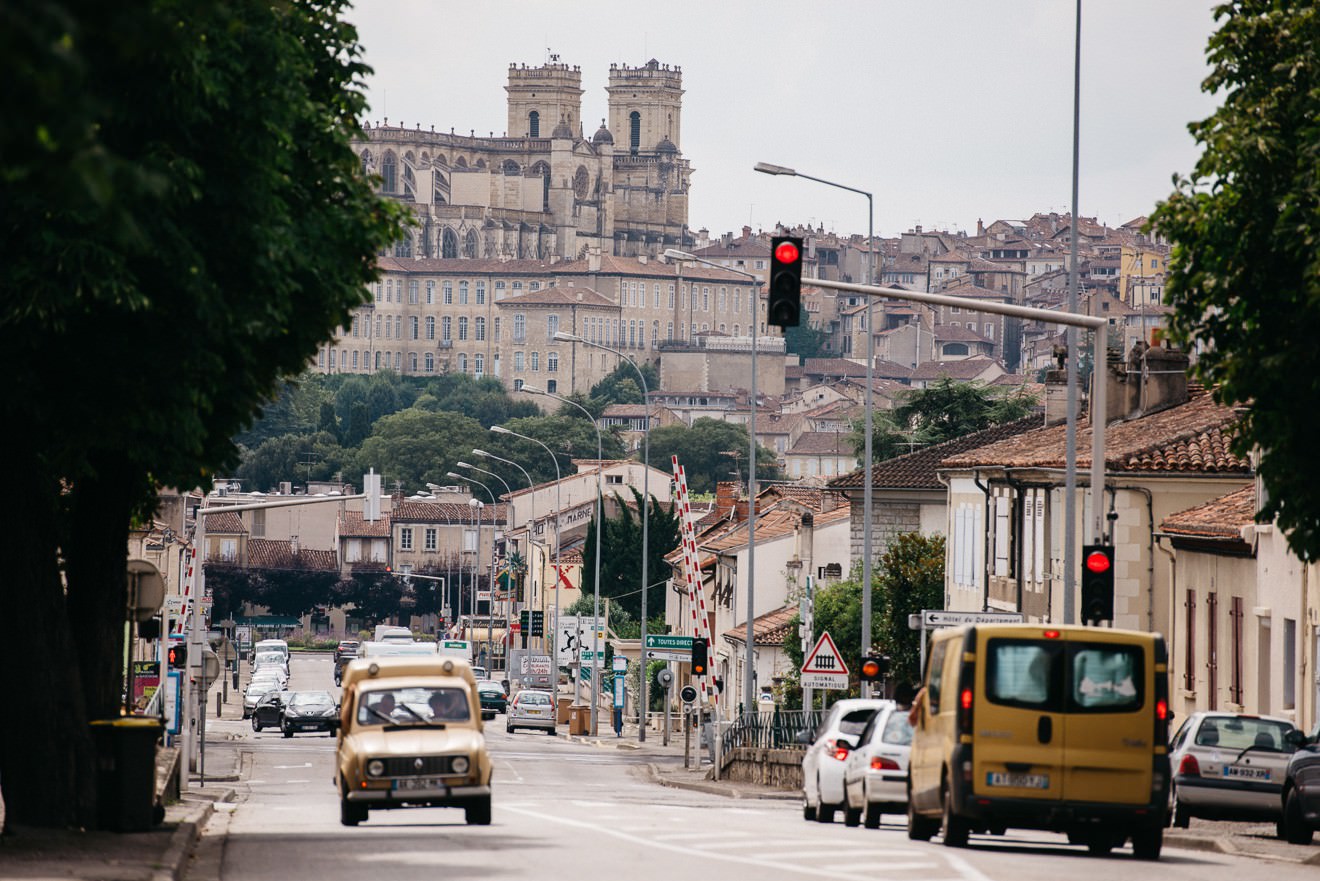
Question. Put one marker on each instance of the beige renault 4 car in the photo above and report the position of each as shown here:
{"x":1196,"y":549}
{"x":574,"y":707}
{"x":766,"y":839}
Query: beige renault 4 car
{"x":410,"y":735}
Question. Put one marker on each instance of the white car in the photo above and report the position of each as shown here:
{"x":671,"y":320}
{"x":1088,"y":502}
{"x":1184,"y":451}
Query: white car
{"x":875,"y":773}
{"x":1229,"y":766}
{"x":256,"y":690}
{"x":822,"y":764}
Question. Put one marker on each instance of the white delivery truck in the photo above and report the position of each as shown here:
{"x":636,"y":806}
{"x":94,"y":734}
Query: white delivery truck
{"x":392,"y":633}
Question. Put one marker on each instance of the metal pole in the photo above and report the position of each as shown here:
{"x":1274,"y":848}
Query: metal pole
{"x":1070,"y":340}
{"x":531,"y":521}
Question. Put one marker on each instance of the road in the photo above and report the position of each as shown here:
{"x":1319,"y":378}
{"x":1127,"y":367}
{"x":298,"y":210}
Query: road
{"x":566,"y":810}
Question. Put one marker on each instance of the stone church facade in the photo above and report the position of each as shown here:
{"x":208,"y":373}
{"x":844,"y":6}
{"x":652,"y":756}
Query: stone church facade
{"x":546,"y":190}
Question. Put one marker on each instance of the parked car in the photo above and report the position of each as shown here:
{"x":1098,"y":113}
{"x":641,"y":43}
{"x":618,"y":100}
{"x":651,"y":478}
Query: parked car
{"x":412,"y":737}
{"x":493,"y":698}
{"x":875,"y":773}
{"x":256,"y":689}
{"x":269,"y":709}
{"x":531,"y":709}
{"x":822,"y":763}
{"x":1229,"y":766}
{"x":309,"y":711}
{"x":1300,"y":797}
{"x":346,"y":647}
{"x":481,"y":673}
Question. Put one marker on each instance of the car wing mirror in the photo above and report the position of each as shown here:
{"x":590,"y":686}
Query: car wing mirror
{"x":1294,"y":739}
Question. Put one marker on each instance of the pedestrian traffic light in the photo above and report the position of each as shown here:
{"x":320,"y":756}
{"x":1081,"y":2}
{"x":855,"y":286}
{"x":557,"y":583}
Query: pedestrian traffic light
{"x":699,"y":656}
{"x":785,"y":304}
{"x":1097,"y":583}
{"x":874,"y":668}
{"x":176,"y":656}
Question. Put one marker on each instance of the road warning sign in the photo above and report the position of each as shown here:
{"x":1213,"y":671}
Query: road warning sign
{"x":823,"y":666}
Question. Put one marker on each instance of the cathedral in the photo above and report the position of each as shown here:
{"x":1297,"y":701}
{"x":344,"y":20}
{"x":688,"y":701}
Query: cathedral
{"x":546,"y":191}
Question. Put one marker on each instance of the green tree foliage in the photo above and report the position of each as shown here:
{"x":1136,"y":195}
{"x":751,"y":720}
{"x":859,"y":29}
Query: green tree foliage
{"x":911,"y":578}
{"x":359,"y":424}
{"x":621,"y":555}
{"x":484,"y":399}
{"x":415,"y":447}
{"x":622,"y":386}
{"x":804,"y":340}
{"x":292,"y":457}
{"x":569,"y":437}
{"x":701,"y":451}
{"x":183,"y":211}
{"x":940,"y":412}
{"x":1243,"y":277}
{"x":328,"y":421}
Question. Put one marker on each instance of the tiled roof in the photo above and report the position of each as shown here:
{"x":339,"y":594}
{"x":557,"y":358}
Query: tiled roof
{"x":947,"y":333}
{"x":351,"y":525}
{"x":630,"y":411}
{"x":812,"y":497}
{"x":565,"y":295}
{"x":917,"y":470}
{"x":610,"y":265}
{"x":1190,"y":438}
{"x":1223,"y":517}
{"x":265,"y":553}
{"x":976,"y":292}
{"x":768,"y":629}
{"x":465,"y":266}
{"x":409,"y":511}
{"x":967,"y":368}
{"x":771,"y":524}
{"x":227,"y":523}
{"x":821,"y":443}
{"x":832,"y":367}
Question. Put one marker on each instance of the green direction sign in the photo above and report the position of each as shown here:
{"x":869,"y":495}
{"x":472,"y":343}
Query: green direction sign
{"x":668,"y":648}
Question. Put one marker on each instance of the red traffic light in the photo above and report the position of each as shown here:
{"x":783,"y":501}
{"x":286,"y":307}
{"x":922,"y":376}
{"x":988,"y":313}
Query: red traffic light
{"x":787,"y":252}
{"x":870,"y":669}
{"x":1097,"y":562}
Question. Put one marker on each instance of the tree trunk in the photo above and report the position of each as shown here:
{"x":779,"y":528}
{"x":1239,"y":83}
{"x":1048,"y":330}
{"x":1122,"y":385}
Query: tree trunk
{"x":47,"y":772}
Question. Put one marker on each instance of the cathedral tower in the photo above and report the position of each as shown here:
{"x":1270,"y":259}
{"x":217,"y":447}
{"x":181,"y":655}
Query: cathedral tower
{"x":539,"y":97}
{"x":645,"y":107}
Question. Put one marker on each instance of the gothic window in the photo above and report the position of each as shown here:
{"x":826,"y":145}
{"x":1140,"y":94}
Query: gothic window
{"x":470,"y":244}
{"x":449,"y":249}
{"x":634,"y":132}
{"x":409,"y":182}
{"x":534,"y":125}
{"x":581,"y":181}
{"x":542,"y":171}
{"x":511,"y":168}
{"x":366,"y":162}
{"x":403,"y":247}
{"x":389,"y":174}
{"x":481,"y":163}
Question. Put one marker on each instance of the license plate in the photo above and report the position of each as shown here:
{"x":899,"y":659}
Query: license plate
{"x":535,"y":712}
{"x":1243,"y":773}
{"x":1017,"y":781}
{"x":418,"y":784}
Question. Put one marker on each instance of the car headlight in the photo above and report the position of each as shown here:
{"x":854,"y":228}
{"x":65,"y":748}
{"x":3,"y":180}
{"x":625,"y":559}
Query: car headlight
{"x":375,"y":767}
{"x":460,"y":764}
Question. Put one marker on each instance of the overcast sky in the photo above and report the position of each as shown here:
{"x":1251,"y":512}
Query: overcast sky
{"x":947,"y":111}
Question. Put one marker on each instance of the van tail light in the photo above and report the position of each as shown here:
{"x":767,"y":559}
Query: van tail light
{"x":1189,"y":766}
{"x":879,"y":763}
{"x":1162,"y":713}
{"x":841,"y":752}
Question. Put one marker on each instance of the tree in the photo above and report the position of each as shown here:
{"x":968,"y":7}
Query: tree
{"x":701,"y":450}
{"x":1243,"y":279}
{"x":291,"y":457}
{"x":622,"y":386}
{"x":416,"y":447}
{"x":182,"y":211}
{"x":940,"y":412}
{"x":621,"y":555}
{"x":911,"y":579}
{"x":805,"y":341}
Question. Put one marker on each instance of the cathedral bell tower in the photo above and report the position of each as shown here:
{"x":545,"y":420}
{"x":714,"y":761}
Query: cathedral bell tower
{"x":540,"y":97}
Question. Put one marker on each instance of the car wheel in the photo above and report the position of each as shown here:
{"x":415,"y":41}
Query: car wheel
{"x":509,"y":728}
{"x":1099,"y":844}
{"x":919,"y":828}
{"x":954,"y":829}
{"x":824,"y":812}
{"x":256,"y":725}
{"x":550,"y":731}
{"x":1294,"y":825}
{"x":288,"y":732}
{"x":1178,"y":816}
{"x":872,"y":818}
{"x":808,"y":812}
{"x":477,"y":813}
{"x":852,"y":817}
{"x":1147,"y":843}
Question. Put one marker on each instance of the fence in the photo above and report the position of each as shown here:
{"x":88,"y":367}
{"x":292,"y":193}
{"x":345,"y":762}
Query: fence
{"x":775,"y":730}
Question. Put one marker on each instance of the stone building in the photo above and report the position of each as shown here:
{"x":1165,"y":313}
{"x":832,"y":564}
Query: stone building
{"x":545,"y":188}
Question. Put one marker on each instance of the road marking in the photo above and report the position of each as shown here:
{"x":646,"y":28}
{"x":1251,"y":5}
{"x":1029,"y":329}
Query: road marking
{"x":693,"y":836}
{"x":287,"y":767}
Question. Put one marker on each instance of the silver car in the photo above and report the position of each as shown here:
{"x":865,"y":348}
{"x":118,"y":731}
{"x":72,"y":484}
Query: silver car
{"x":531,"y":709}
{"x":1228,"y":766}
{"x":875,"y":773}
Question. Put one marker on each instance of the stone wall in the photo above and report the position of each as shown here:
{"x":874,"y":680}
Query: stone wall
{"x":889,"y":521}
{"x":776,"y":768}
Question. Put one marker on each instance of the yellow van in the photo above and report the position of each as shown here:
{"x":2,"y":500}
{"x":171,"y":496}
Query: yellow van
{"x":410,"y":735}
{"x":1041,"y":727}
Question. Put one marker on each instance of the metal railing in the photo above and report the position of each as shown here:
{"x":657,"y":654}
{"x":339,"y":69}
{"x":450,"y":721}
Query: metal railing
{"x":774,"y":730}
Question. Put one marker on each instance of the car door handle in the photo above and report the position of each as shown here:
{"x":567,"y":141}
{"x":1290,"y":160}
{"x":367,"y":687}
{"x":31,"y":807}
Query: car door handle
{"x":1045,"y":729}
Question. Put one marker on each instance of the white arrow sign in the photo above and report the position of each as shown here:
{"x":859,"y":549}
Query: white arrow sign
{"x":824,"y":666}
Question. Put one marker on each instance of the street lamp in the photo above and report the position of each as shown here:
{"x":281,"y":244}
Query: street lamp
{"x":867,"y":524}
{"x":531,"y":506}
{"x":646,"y":508}
{"x":554,"y":639}
{"x":491,"y":604}
{"x":600,"y":539}
{"x":477,"y":505}
{"x":749,"y":676}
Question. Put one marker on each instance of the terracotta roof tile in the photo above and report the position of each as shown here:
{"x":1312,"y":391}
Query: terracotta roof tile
{"x":1223,"y":517}
{"x":917,"y":470}
{"x":265,"y":553}
{"x":409,"y":511}
{"x":228,"y":523}
{"x":351,"y":525}
{"x":566,"y":295}
{"x":768,"y":629}
{"x":967,"y":368}
{"x":815,"y":443}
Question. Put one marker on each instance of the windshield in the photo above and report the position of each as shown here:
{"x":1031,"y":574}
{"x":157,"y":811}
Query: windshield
{"x":1243,"y":732}
{"x":533,"y":698}
{"x":312,"y":699}
{"x":411,"y":706}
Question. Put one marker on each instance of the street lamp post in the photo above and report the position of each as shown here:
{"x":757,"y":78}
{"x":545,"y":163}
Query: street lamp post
{"x":531,"y":503}
{"x":646,"y":512}
{"x":600,"y":539}
{"x":554,"y":639}
{"x":476,"y":558}
{"x":868,"y":523}
{"x":509,"y":491}
{"x":749,"y":676}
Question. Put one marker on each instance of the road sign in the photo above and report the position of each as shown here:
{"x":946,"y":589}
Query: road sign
{"x":536,"y":665}
{"x":824,"y":666}
{"x":940,"y":618}
{"x":688,"y":694}
{"x":661,"y":647}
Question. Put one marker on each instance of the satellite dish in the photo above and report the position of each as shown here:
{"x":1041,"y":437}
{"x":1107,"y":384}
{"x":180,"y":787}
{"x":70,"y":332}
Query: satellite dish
{"x":146,"y":590}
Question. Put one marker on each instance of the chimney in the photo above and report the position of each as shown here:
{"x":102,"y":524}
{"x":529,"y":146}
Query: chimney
{"x":1056,"y":389}
{"x":641,"y":258}
{"x":807,"y":541}
{"x":980,"y":227}
{"x":747,"y":232}
{"x":726,"y":496}
{"x":593,"y":260}
{"x":293,"y":545}
{"x":1148,"y":381}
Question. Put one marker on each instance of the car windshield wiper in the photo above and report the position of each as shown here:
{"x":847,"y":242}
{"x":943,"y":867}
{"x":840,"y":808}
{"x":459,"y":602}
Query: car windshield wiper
{"x":416,"y":715}
{"x":1248,"y":748}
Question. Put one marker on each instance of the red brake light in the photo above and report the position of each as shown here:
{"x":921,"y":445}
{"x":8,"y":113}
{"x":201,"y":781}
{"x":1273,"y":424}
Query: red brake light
{"x":966,"y":698}
{"x":879,"y":763}
{"x":787,"y":252}
{"x":841,"y":753}
{"x":1189,"y":766}
{"x":1051,"y":634}
{"x":1162,"y":710}
{"x":1097,"y":562}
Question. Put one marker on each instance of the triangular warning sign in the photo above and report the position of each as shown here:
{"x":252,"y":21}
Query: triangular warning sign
{"x":824,"y":658}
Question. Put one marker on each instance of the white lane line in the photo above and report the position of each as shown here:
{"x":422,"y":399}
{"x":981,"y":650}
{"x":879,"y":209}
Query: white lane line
{"x":694,"y":836}
{"x":888,"y":867}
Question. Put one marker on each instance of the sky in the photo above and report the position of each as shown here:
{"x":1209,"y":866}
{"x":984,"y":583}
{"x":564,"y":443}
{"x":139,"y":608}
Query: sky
{"x":946,"y":111}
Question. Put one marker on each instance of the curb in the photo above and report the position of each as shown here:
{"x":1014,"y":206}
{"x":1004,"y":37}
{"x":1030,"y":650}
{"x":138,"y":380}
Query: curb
{"x":1227,"y":846}
{"x":181,"y":844}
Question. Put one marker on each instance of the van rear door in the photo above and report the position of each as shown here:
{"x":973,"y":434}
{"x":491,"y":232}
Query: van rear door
{"x":1110,"y":721}
{"x":1017,"y":719}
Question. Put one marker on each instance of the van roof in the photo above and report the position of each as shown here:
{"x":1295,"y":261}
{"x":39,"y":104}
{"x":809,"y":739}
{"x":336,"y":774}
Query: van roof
{"x":406,"y":666}
{"x":1059,"y":631}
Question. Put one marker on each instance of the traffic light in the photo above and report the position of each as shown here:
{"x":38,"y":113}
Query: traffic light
{"x":1098,"y":583}
{"x":785,"y":304}
{"x":176,"y":656}
{"x":699,"y":656}
{"x":874,"y":668}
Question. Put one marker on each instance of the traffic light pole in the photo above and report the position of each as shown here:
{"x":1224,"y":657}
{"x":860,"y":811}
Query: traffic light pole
{"x":1099,"y":327}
